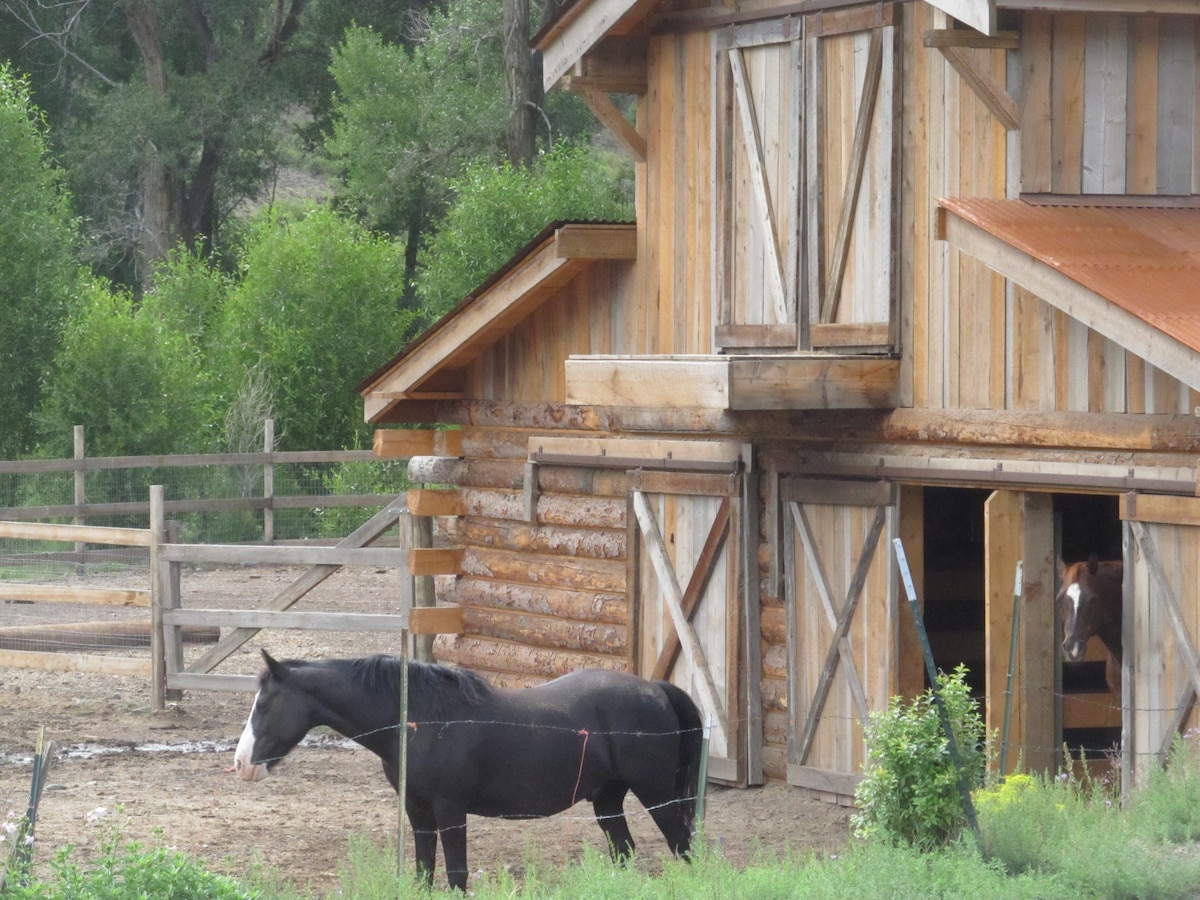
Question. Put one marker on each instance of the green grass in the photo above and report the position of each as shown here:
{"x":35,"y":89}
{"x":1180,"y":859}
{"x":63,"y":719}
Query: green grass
{"x":1040,"y":837}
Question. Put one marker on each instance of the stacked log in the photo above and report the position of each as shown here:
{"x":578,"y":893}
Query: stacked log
{"x":542,"y":595}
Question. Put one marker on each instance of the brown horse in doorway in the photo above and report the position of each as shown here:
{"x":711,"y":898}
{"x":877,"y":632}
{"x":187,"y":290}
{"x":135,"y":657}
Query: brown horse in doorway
{"x":1089,"y":601}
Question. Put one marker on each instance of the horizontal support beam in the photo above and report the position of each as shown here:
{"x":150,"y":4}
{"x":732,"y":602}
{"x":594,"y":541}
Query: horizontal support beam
{"x":435,"y":561}
{"x":404,"y":443}
{"x":48,"y":593}
{"x":427,"y":502}
{"x":83,"y":534}
{"x":75,"y":662}
{"x":251,"y":555}
{"x":436,"y":619}
{"x":189,"y":681}
{"x":269,"y":618}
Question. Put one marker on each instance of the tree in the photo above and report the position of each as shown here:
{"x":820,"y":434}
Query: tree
{"x":408,"y":118}
{"x":130,"y":376}
{"x":315,"y":312}
{"x":38,"y":277}
{"x":168,"y":116}
{"x":498,"y":209}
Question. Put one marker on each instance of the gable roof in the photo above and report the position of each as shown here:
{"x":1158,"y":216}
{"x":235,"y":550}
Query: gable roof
{"x":1130,"y":273}
{"x":431,"y":366}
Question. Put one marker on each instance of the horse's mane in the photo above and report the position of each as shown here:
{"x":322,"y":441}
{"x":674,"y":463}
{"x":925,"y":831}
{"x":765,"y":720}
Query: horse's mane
{"x":427,"y":682}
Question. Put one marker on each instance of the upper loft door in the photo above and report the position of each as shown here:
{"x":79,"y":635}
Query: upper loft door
{"x":805,"y":161}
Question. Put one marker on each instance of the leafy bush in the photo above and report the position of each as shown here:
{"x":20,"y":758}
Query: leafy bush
{"x":124,"y":870}
{"x":498,"y":210}
{"x":909,"y":792}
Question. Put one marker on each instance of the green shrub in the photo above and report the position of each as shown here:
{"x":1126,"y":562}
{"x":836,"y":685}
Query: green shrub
{"x":124,"y":870}
{"x":909,"y":792}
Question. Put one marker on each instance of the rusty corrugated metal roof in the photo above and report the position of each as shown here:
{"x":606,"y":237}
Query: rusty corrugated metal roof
{"x":1145,"y":260}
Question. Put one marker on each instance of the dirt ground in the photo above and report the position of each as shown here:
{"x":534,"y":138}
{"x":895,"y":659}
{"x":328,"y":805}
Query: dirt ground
{"x":167,"y":776}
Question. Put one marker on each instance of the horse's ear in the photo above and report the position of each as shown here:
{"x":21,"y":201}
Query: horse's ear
{"x":275,"y":667}
{"x":1093,"y":564}
{"x":1061,"y":566}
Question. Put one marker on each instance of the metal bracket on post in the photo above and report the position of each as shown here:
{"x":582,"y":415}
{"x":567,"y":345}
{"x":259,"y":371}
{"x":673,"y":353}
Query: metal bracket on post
{"x":951,"y":744}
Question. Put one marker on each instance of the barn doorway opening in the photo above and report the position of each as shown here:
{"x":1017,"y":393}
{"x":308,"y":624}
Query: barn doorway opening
{"x":1091,"y":714}
{"x":954,"y":555}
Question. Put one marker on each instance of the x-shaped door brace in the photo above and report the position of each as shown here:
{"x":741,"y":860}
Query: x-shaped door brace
{"x":674,"y":598}
{"x":1187,"y":649}
{"x":839,"y":647}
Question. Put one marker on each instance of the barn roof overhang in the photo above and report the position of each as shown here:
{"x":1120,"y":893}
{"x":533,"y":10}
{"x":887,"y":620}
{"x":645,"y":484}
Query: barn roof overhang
{"x":1129,"y":273}
{"x":433,"y":367}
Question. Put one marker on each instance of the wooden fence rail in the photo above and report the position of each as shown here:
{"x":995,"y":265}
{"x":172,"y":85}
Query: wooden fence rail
{"x":268,"y":503}
{"x":165,"y":668}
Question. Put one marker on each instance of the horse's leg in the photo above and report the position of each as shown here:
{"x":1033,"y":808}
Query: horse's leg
{"x":452,"y":826}
{"x":667,"y":813}
{"x":425,"y":835}
{"x":609,"y":805}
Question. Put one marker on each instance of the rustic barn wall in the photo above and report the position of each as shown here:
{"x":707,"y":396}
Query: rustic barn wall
{"x":976,"y":342}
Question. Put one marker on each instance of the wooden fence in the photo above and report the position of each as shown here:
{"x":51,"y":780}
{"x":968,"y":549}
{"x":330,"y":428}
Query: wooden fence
{"x":268,"y":503}
{"x":166,"y":668}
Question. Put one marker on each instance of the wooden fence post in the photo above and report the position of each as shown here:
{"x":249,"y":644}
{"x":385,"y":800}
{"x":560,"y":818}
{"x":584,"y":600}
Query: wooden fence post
{"x":158,"y":584}
{"x":80,"y":496}
{"x":423,"y":588}
{"x":269,"y":482}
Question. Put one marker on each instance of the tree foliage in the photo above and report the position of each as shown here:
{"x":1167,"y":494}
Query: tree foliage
{"x":316,"y":310}
{"x":38,"y":275}
{"x":130,"y":376}
{"x":499,"y":209}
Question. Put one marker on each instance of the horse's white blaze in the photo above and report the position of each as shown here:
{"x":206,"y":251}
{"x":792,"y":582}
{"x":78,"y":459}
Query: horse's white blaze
{"x":245,"y":752}
{"x":1074,"y":592}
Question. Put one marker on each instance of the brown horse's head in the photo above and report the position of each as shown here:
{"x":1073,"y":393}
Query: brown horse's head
{"x":1089,"y":601}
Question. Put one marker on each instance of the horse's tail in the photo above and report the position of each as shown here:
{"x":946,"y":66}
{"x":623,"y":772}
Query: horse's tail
{"x":691,"y":742}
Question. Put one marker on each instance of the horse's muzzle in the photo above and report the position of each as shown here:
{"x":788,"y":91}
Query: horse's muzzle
{"x":1074,"y":650}
{"x":248,"y":771}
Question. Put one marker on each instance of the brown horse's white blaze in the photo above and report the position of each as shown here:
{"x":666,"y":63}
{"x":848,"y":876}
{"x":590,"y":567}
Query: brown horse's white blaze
{"x":1089,"y":603}
{"x":247,"y":770}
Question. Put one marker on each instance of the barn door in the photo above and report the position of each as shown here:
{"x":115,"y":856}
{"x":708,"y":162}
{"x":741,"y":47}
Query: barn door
{"x":1161,"y":629}
{"x":758,"y":142}
{"x":1019,"y":527}
{"x":851,"y":176}
{"x":686,"y":539}
{"x":842,"y":624}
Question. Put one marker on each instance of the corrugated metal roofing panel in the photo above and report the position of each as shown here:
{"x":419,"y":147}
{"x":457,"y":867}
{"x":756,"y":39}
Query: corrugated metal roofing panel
{"x":1144,"y":260}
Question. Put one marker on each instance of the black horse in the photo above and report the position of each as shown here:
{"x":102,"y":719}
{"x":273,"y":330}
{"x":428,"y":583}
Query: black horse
{"x":480,"y":750}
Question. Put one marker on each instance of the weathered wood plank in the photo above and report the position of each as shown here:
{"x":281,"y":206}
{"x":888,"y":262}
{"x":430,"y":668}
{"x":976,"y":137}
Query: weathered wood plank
{"x":46,"y":593}
{"x":266,"y":618}
{"x":75,"y":662}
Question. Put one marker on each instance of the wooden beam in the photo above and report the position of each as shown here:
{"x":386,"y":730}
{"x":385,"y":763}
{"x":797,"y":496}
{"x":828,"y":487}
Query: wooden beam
{"x":267,"y":618}
{"x":1159,"y":508}
{"x":84,"y":534}
{"x":426,"y":502}
{"x":436,"y":620}
{"x":48,"y":593}
{"x":405,"y":443}
{"x":971,"y":39}
{"x":75,"y":662}
{"x":582,"y":26}
{"x":993,"y":94}
{"x":816,"y":381}
{"x":435,"y":561}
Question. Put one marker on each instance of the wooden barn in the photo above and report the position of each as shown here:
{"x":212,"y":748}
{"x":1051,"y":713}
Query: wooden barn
{"x":915,"y":270}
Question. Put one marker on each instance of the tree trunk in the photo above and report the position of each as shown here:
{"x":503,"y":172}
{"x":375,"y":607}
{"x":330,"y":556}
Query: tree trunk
{"x":154,"y":237}
{"x":522,"y":96}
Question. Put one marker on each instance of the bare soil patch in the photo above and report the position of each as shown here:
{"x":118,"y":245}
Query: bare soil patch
{"x":166,"y":776}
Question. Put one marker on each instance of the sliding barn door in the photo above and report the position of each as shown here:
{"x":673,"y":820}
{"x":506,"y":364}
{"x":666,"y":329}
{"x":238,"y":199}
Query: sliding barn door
{"x":687,"y":575}
{"x":1161,"y":625}
{"x":842,"y":595}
